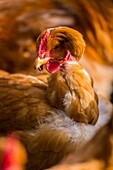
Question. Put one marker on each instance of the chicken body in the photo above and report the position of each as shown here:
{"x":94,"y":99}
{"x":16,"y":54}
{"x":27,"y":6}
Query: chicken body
{"x":70,"y":89}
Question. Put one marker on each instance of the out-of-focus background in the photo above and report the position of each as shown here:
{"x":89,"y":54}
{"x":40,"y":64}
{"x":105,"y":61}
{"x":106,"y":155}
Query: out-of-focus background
{"x":22,"y":21}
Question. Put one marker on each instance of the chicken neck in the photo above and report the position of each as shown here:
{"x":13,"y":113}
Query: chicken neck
{"x":71,"y":90}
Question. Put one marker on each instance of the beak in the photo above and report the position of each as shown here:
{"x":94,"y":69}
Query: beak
{"x":40,"y":61}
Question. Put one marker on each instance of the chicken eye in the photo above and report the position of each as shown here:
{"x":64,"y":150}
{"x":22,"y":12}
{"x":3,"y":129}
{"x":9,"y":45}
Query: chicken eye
{"x":57,"y":47}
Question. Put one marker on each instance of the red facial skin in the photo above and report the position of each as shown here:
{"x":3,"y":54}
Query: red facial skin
{"x":54,"y":66}
{"x":43,"y":47}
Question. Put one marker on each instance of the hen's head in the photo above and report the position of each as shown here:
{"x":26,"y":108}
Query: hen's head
{"x":57,"y":45}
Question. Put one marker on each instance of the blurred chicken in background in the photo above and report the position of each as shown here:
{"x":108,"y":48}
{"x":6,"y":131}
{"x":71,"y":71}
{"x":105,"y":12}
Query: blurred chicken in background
{"x":12,"y":154}
{"x":22,"y":21}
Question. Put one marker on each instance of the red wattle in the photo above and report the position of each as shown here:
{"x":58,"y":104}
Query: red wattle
{"x":52,"y":66}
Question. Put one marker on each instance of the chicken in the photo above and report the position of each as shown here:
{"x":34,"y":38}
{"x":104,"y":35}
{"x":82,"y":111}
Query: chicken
{"x":70,"y":87}
{"x":97,"y":154}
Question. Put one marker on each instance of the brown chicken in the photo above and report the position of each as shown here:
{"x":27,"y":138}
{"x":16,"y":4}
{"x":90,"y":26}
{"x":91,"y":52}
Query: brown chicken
{"x":70,"y":87}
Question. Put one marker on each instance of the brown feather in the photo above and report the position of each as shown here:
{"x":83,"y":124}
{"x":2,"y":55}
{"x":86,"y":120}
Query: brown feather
{"x":23,"y":103}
